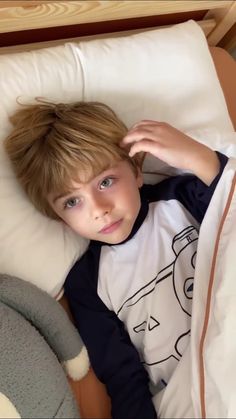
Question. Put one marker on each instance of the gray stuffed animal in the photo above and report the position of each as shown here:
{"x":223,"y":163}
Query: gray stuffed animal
{"x":37,"y":342}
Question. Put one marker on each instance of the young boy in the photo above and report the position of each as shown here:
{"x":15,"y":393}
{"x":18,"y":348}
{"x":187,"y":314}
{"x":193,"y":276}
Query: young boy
{"x":130,"y":293}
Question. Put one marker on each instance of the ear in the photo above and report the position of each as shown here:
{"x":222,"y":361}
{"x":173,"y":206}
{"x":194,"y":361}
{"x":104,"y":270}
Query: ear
{"x":139,"y":177}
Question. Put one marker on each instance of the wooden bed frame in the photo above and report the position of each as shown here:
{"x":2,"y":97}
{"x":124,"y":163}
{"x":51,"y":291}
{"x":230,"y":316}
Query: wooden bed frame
{"x":32,"y":21}
{"x":32,"y":24}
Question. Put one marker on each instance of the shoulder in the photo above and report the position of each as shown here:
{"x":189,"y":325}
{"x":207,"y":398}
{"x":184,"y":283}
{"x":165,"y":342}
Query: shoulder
{"x":177,"y":187}
{"x":84,"y":272}
{"x":167,"y":189}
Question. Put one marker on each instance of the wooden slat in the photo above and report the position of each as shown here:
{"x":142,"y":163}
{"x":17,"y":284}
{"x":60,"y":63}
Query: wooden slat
{"x":229,"y":42}
{"x":207,"y":25}
{"x":62,"y":13}
{"x":22,"y":3}
{"x":225,"y":19}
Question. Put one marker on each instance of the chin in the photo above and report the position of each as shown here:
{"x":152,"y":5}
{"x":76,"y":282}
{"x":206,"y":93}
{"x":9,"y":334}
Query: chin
{"x":119,"y":238}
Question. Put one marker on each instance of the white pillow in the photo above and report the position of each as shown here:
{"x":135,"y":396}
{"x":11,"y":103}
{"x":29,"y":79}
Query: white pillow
{"x":165,"y":74}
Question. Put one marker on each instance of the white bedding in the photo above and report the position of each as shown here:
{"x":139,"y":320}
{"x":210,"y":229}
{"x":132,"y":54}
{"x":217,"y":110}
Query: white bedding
{"x":203,"y":385}
{"x":166,"y":74}
{"x":174,"y":81}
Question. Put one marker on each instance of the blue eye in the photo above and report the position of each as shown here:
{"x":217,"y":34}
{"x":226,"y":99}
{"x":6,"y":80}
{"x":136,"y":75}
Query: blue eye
{"x":106,"y":183}
{"x":71,"y":202}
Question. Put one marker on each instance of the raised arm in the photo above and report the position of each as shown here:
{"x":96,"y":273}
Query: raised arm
{"x":174,"y":148}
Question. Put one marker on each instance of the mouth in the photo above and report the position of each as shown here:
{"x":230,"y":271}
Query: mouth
{"x":109,"y":228}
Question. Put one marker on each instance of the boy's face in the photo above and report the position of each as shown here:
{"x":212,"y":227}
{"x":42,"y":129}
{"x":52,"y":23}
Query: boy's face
{"x":104,"y":208}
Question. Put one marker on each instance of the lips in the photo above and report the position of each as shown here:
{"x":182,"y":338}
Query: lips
{"x":109,"y":228}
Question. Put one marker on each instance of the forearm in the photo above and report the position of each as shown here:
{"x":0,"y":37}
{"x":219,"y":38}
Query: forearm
{"x":113,"y":357}
{"x":205,"y":164}
{"x":116,"y":362}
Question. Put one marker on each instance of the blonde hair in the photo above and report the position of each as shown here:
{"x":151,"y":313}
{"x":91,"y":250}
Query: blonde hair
{"x":52,"y":144}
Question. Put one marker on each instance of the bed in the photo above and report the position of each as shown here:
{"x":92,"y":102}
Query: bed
{"x":26,"y":29}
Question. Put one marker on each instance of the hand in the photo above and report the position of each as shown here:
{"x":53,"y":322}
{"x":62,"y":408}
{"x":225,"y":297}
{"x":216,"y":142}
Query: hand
{"x":173,"y":147}
{"x":162,"y":141}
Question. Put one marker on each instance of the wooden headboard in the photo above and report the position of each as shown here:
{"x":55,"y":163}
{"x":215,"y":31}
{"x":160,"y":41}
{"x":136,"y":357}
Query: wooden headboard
{"x":38,"y":23}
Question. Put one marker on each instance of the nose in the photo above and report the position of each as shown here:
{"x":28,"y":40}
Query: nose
{"x":100,"y":206}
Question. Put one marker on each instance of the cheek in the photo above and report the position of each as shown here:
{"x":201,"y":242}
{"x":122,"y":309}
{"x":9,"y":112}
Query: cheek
{"x":79,"y":225}
{"x":131,"y":198}
{"x":73,"y":218}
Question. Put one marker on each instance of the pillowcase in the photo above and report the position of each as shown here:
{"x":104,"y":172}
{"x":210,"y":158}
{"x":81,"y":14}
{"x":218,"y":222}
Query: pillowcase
{"x":165,"y":74}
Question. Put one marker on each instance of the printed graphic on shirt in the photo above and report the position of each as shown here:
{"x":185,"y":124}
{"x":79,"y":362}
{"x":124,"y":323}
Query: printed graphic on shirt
{"x":167,"y":296}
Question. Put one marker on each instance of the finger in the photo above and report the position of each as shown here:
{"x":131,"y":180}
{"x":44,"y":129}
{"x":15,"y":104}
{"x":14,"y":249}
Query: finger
{"x":145,"y":122}
{"x":146,"y":146}
{"x":148,"y":122}
{"x":140,"y":134}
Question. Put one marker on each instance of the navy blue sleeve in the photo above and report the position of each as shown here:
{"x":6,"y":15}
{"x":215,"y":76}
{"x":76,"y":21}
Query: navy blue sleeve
{"x":112,"y":355}
{"x":187,"y":189}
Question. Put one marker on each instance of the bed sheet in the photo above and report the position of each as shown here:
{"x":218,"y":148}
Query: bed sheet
{"x":203,"y":384}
